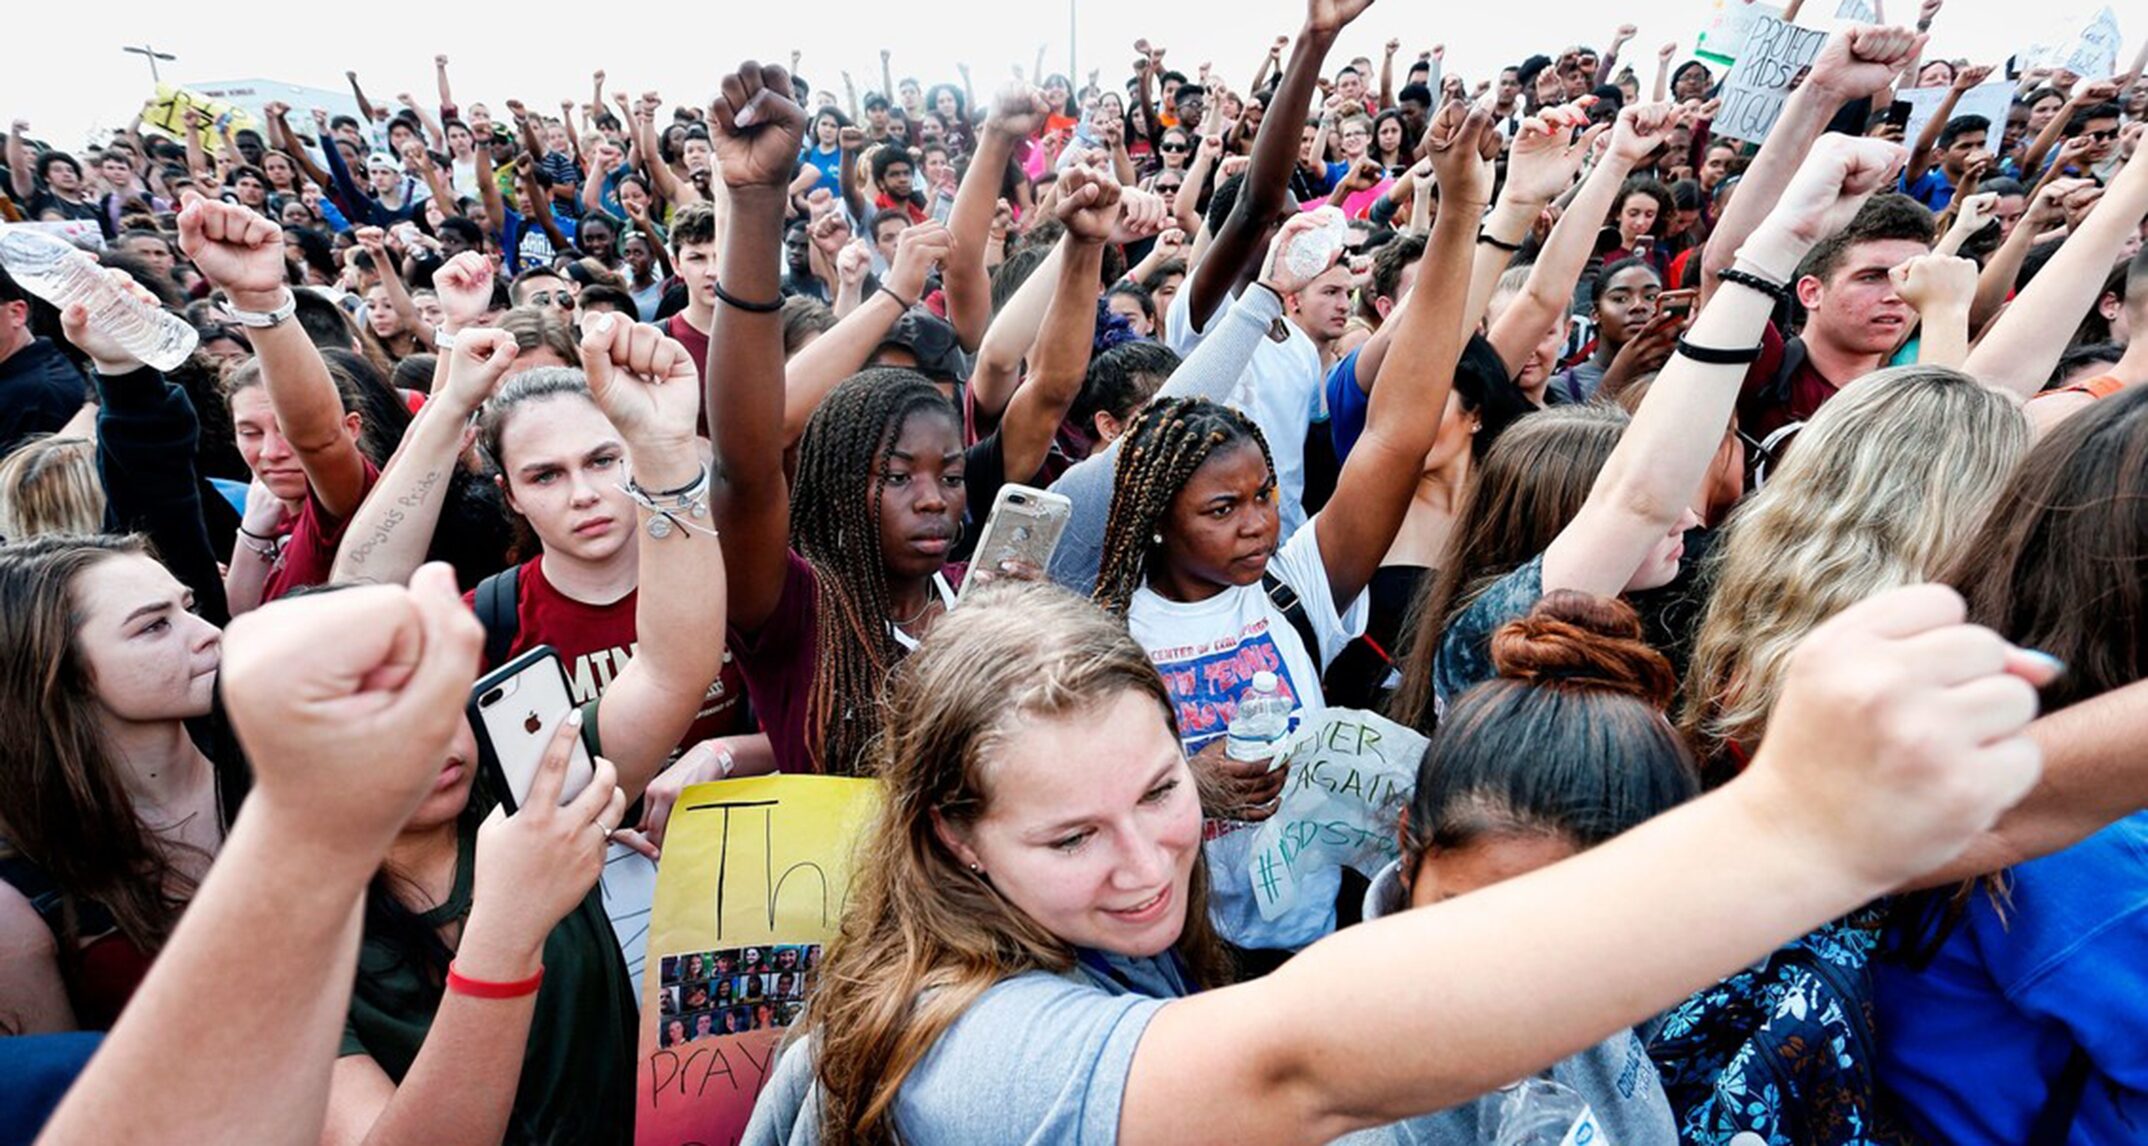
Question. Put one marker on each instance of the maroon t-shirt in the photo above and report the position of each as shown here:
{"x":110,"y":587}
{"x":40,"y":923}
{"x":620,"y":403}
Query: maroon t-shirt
{"x":1763,"y":405}
{"x":595,"y":642}
{"x":306,"y":542}
{"x":778,"y":660}
{"x":696,"y":344}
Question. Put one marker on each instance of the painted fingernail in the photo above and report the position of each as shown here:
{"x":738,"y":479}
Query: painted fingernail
{"x":2050,"y":663}
{"x":604,"y":323}
{"x":574,"y":719}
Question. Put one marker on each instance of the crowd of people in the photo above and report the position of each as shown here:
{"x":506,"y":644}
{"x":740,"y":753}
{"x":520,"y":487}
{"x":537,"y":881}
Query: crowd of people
{"x":1753,"y":527}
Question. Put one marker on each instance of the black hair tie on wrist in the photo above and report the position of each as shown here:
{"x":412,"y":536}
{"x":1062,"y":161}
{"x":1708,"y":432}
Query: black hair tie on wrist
{"x":1712,"y":356}
{"x":731,"y":300}
{"x":1774,"y":290}
{"x":1489,"y":240}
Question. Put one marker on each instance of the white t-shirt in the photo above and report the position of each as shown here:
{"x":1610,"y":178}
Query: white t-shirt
{"x":1282,"y":391}
{"x":1208,"y":652}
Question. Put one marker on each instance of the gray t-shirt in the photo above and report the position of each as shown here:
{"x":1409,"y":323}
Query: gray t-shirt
{"x":1039,"y":1058}
{"x":1465,"y":649}
{"x":1615,"y":1077}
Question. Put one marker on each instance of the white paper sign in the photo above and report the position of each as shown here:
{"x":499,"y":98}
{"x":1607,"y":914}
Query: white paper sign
{"x":1856,"y":12}
{"x":1988,"y":100}
{"x":1351,"y":773}
{"x":1773,"y":60}
{"x":2087,"y":48}
{"x":1728,"y":23}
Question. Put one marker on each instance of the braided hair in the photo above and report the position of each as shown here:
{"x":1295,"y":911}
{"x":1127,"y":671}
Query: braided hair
{"x":1158,"y":455}
{"x":835,"y":526}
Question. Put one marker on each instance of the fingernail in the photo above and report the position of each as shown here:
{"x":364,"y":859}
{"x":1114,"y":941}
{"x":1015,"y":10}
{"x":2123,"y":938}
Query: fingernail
{"x":2055,"y":666}
{"x":604,"y":323}
{"x":574,"y":719}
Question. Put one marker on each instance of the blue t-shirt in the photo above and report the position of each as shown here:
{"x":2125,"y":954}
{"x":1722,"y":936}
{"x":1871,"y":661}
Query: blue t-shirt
{"x":1037,"y":1058}
{"x":830,"y":165}
{"x":1347,"y":405}
{"x":1933,"y":189}
{"x":1973,"y":1044}
{"x":526,"y":244}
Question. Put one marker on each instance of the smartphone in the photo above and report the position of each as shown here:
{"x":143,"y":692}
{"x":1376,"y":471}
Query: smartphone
{"x":1024,"y":526}
{"x":1898,"y":114}
{"x":1678,"y":302}
{"x":1642,"y":246}
{"x":516,"y":709}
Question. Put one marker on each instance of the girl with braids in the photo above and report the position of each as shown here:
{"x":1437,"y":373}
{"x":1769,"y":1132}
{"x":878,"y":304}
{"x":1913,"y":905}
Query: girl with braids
{"x":1191,"y":555}
{"x":838,"y":574}
{"x":1025,"y":957}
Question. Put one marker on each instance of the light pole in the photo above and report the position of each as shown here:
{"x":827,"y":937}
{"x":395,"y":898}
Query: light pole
{"x":1073,"y":29}
{"x":152,"y":55}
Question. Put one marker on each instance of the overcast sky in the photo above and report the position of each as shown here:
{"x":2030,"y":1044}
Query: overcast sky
{"x":65,"y":72}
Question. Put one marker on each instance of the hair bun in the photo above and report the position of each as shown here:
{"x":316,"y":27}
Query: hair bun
{"x":1579,"y":640}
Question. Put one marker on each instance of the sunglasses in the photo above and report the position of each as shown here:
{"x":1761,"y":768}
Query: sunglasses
{"x":559,"y":298}
{"x":1173,"y":147}
{"x":2101,"y":136}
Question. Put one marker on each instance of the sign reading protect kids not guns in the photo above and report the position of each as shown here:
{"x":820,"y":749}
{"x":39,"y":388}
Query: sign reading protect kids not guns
{"x":751,"y":888}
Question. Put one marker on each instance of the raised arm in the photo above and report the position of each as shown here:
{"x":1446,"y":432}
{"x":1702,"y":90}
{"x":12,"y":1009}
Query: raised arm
{"x":488,"y":193}
{"x":1236,"y":247}
{"x":1996,"y":284}
{"x":842,"y":351}
{"x":447,"y":97}
{"x":757,"y":131}
{"x":1664,"y":55}
{"x":648,"y":387}
{"x":146,"y":435}
{"x":1015,"y":114}
{"x":2085,"y":95}
{"x":374,"y":241}
{"x":1550,"y":289}
{"x":2022,"y":347}
{"x":1373,"y":492}
{"x":242,"y":252}
{"x":1648,"y":483}
{"x":1542,"y":161}
{"x":540,"y":203}
{"x":366,"y":110}
{"x":281,"y":136}
{"x":1269,"y":63}
{"x":1940,"y":287}
{"x":1089,"y":205}
{"x":1608,"y":63}
{"x":1920,"y":154}
{"x":424,"y":118}
{"x":850,"y":142}
{"x":1854,"y":64}
{"x":21,"y":175}
{"x":1387,"y":74}
{"x":388,"y":536}
{"x":1008,"y":340}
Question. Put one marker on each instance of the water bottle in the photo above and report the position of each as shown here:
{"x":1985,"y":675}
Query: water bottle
{"x":63,"y":275}
{"x":1541,"y":1112}
{"x":1262,"y":719}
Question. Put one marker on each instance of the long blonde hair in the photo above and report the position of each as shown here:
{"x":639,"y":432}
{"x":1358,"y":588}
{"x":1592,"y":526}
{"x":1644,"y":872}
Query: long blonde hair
{"x":1887,"y":476}
{"x":922,"y":937}
{"x":49,"y":485}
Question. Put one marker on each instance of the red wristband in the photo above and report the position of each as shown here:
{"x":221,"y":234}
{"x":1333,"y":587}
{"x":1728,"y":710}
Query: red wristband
{"x":483,"y":989}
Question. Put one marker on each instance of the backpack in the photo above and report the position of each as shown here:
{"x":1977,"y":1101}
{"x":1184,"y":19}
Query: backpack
{"x":1784,"y":1050}
{"x":495,"y":602}
{"x":1287,"y":602}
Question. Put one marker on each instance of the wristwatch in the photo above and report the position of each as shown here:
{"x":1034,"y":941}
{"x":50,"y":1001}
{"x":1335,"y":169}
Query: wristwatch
{"x":264,"y":319}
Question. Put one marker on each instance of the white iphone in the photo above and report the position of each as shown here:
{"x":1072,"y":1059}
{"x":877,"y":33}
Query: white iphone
{"x":516,"y":709}
{"x":1024,"y":527}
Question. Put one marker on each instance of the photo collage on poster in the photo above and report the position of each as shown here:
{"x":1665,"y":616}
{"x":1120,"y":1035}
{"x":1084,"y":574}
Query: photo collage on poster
{"x":710,"y":994}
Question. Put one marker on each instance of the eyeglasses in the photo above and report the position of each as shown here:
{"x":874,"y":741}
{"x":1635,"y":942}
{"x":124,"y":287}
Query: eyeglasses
{"x":559,"y":298}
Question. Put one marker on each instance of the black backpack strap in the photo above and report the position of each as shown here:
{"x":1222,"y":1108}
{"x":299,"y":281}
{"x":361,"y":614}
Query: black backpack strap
{"x":495,"y":603}
{"x":1287,"y":602}
{"x":2054,"y":1123}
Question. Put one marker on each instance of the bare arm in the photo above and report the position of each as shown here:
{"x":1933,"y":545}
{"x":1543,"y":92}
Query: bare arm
{"x":1996,"y":283}
{"x":841,"y":352}
{"x":1920,"y":154}
{"x":969,"y":288}
{"x":1387,"y":74}
{"x":1061,"y":357}
{"x":1373,"y":492}
{"x":751,"y":500}
{"x":1236,"y":248}
{"x":2021,"y":348}
{"x":447,"y":98}
{"x":1008,"y":339}
{"x":1550,"y":289}
{"x":19,"y":173}
{"x":365,"y":106}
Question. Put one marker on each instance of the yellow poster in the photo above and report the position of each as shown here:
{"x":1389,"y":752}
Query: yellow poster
{"x":167,"y":114}
{"x":751,"y":889}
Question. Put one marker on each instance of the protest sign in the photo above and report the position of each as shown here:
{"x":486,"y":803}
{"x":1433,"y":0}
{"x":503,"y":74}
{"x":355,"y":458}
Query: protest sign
{"x":1988,"y":100}
{"x":1850,"y":12}
{"x":752,"y":886}
{"x":1774,"y":59}
{"x":1729,"y":21}
{"x":1351,"y":772}
{"x":166,"y":113}
{"x":2087,"y":48}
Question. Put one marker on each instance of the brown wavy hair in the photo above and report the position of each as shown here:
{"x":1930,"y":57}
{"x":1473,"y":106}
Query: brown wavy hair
{"x":1531,"y":483}
{"x":63,"y":804}
{"x":922,"y":938}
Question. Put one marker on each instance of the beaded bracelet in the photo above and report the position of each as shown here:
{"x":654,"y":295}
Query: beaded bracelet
{"x":666,"y":506}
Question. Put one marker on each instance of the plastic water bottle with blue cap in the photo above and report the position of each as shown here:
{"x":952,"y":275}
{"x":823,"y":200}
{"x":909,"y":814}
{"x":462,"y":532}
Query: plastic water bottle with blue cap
{"x":1542,"y":1112}
{"x":63,"y":274}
